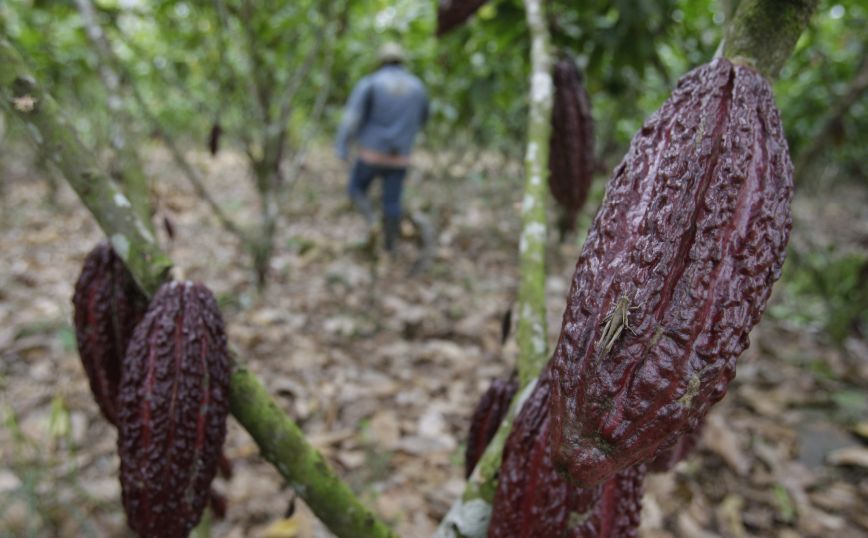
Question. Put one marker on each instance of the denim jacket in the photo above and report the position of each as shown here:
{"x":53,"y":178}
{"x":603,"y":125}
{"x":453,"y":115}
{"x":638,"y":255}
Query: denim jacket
{"x":384,"y":113}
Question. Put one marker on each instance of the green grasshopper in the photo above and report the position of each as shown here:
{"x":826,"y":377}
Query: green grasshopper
{"x":615,"y":323}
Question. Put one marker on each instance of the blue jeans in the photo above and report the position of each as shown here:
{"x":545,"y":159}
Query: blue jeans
{"x":363,"y":175}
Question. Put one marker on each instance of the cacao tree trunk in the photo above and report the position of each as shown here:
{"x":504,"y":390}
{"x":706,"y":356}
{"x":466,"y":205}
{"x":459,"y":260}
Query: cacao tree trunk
{"x":470,"y":515}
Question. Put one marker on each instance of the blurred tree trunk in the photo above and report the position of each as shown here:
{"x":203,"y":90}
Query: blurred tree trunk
{"x":831,"y":123}
{"x":127,"y":166}
{"x":274,"y":106}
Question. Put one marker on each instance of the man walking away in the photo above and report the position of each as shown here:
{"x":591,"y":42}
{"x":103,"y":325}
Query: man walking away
{"x":384,"y":113}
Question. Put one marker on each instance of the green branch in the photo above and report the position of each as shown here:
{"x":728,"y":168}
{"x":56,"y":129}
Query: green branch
{"x":470,"y":515}
{"x":531,"y":332}
{"x":280,"y":440}
{"x":763,"y":33}
{"x":130,"y":237}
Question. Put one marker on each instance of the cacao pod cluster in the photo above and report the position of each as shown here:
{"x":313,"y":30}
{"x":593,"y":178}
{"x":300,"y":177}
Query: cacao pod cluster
{"x":677,"y":268}
{"x":454,"y":13}
{"x":571,"y":153}
{"x":160,"y":373}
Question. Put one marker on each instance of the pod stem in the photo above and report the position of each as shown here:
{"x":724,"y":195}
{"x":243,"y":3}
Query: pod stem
{"x":763,"y":33}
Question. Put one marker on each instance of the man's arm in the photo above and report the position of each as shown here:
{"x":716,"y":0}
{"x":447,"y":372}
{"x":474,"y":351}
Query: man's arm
{"x":354,"y":113}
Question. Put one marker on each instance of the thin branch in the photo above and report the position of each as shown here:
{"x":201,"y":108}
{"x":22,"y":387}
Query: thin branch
{"x":311,"y":128}
{"x":261,"y":89}
{"x":280,"y":440}
{"x":191,"y":173}
{"x":133,"y":179}
{"x":531,"y":333}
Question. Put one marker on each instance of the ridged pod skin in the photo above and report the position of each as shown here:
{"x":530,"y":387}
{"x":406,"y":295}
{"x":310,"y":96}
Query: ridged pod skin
{"x":454,"y":13}
{"x":534,"y":500}
{"x":689,"y":240}
{"x":107,"y":305}
{"x":571,"y":157}
{"x":173,"y":403}
{"x":667,"y":458}
{"x":489,"y":412}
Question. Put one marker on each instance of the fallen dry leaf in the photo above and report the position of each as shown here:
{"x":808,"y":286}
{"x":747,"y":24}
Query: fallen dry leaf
{"x":854,"y":455}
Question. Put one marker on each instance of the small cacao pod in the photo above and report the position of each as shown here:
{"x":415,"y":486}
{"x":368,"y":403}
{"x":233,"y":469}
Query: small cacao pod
{"x":214,"y":138}
{"x":489,"y":412}
{"x":667,"y":458}
{"x":107,"y":305}
{"x":453,"y":13}
{"x":534,"y":500}
{"x":172,"y":408}
{"x":677,"y":268}
{"x":571,"y":153}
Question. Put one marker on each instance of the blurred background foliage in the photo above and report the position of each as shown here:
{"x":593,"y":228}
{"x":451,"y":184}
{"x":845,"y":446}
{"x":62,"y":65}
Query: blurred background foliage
{"x":632,"y":53}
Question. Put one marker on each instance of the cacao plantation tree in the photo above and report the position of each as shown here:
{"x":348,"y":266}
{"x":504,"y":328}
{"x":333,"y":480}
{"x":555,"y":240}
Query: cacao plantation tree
{"x":568,"y":441}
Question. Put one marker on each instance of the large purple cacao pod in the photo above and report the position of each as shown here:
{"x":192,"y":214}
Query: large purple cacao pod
{"x":489,"y":412}
{"x":668,"y":457}
{"x":676,"y":270}
{"x":107,"y":306}
{"x":453,"y":13}
{"x":571,"y":157}
{"x":533,"y":499}
{"x":172,"y":408}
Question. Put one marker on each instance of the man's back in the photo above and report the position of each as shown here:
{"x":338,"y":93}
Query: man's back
{"x":387,"y":109}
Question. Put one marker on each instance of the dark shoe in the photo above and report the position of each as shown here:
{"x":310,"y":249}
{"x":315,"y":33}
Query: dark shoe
{"x":391,"y":231}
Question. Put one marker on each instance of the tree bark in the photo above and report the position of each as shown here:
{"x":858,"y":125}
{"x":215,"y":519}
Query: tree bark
{"x":763,"y":33}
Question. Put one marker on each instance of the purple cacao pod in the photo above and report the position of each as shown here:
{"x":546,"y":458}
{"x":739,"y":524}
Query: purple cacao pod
{"x":571,"y":153}
{"x":489,"y":412}
{"x":454,"y":13}
{"x":533,"y":499}
{"x":676,"y":270}
{"x":107,"y":306}
{"x":668,"y":457}
{"x":172,"y":408}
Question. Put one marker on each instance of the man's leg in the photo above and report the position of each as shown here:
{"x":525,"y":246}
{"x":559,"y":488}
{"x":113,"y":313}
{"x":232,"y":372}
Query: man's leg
{"x":393,"y":184}
{"x":360,"y":180}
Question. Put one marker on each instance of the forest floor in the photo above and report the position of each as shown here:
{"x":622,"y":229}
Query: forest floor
{"x":382,"y":370}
